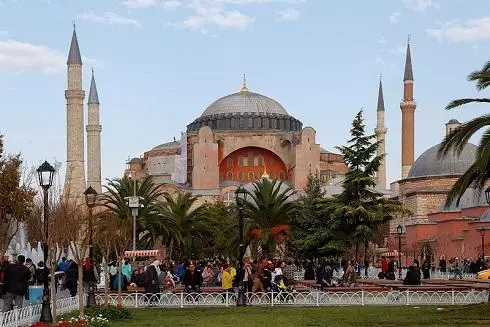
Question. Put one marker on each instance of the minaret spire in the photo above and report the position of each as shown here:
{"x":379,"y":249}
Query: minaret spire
{"x":74,"y":56}
{"x":93,"y":129}
{"x":93,"y":96}
{"x":380,"y":131}
{"x":75,"y":159}
{"x":381,"y":101}
{"x":408,"y":107}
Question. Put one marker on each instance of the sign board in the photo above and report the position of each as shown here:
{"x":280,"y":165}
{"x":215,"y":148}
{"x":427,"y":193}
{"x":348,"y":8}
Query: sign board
{"x":134,"y":202}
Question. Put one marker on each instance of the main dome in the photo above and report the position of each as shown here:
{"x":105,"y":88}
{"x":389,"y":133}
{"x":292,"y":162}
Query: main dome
{"x":244,"y":102}
{"x":429,"y":164}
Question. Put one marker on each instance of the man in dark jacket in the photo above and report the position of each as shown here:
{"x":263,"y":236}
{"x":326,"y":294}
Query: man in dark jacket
{"x":16,"y":284}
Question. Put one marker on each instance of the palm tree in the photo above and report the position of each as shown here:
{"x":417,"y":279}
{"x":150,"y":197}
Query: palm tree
{"x":149,"y":223}
{"x":192,"y":230}
{"x":479,"y":172}
{"x":270,"y":210}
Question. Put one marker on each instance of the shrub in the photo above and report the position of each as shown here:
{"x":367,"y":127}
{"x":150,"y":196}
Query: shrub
{"x":110,"y":312}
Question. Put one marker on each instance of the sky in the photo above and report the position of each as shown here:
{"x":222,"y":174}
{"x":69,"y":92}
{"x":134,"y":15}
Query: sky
{"x":160,"y":63}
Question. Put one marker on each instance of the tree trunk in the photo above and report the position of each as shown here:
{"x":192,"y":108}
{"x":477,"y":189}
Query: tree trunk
{"x":106,"y":282}
{"x":119,"y":275}
{"x":171,"y":246}
{"x":52,"y":268}
{"x":366,"y":263}
{"x":80,"y":289}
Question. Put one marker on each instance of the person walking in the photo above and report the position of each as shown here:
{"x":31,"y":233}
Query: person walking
{"x":16,"y":280}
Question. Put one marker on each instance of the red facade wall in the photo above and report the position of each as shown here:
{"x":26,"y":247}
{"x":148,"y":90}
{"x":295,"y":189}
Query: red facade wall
{"x":248,"y":164}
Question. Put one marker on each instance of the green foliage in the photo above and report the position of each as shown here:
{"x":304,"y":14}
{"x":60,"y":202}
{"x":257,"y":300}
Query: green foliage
{"x":267,"y":206}
{"x":110,"y":312}
{"x":330,"y":226}
{"x":479,"y":172}
{"x":150,"y":223}
{"x":16,"y":197}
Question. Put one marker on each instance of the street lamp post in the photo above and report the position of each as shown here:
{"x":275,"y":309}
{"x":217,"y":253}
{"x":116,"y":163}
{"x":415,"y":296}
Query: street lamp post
{"x":241,"y":197}
{"x":399,"y":231}
{"x":45,"y":174}
{"x":134,"y":204}
{"x":90,"y":200}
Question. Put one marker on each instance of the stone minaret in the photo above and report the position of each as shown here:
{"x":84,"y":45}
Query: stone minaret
{"x":380,"y":131}
{"x":93,"y":138}
{"x":75,"y":169}
{"x":407,"y":106}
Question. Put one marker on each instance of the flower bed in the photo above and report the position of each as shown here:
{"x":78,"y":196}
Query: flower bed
{"x":99,"y":316}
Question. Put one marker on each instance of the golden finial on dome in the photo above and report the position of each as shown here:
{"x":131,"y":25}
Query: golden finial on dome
{"x":244,"y":86}
{"x":265,"y":175}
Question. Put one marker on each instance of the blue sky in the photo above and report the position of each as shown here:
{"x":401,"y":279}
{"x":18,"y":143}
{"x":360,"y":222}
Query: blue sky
{"x":160,"y":63}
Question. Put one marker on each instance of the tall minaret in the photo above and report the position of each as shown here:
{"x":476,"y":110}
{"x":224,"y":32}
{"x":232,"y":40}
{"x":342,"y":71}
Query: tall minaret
{"x":380,"y":131}
{"x":93,"y":138}
{"x":407,"y":106}
{"x":75,"y":169}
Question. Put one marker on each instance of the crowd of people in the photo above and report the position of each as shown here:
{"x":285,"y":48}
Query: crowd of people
{"x":255,"y":276}
{"x":16,"y":278}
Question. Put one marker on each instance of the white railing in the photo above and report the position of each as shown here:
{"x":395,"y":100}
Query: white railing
{"x":356,"y":297}
{"x":373,"y":273}
{"x":31,"y":314}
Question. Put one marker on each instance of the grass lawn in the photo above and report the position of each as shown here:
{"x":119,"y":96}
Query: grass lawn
{"x":475,"y":315}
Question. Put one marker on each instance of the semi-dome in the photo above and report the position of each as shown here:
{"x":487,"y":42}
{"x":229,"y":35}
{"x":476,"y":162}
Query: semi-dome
{"x":244,"y":102}
{"x":429,"y":164}
{"x":169,"y":145}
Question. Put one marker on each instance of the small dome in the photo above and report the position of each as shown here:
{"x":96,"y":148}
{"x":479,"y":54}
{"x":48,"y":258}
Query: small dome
{"x":168,"y":145}
{"x":453,"y":121}
{"x":428,"y":164}
{"x":244,"y":101}
{"x":135,"y":160}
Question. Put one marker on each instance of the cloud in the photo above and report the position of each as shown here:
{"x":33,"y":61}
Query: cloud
{"x":286,"y":15}
{"x":420,"y":5}
{"x":395,"y":17}
{"x":382,"y":40}
{"x":249,"y":2}
{"x":22,"y":57}
{"x":139,"y":3}
{"x":470,"y":31}
{"x":217,"y":17}
{"x":3,"y":33}
{"x":379,"y":61}
{"x":108,"y":18}
{"x":172,"y":5}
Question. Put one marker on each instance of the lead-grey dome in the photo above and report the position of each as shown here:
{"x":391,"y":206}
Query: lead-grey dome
{"x":244,"y":102}
{"x":429,"y":164}
{"x":168,"y":145}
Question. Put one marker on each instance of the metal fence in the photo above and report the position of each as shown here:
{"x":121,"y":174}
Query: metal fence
{"x":356,"y":297}
{"x":28,"y":315}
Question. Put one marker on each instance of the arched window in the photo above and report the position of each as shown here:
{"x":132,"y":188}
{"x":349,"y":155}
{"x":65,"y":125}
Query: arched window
{"x":229,"y":163}
{"x":261,"y":161}
{"x":240,"y":176}
{"x":282,"y":175}
{"x":230,"y":176}
{"x":251,"y":176}
{"x":250,"y":158}
{"x":240,"y":160}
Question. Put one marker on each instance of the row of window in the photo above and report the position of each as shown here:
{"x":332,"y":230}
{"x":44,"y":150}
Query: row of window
{"x":251,"y":176}
{"x":249,"y":161}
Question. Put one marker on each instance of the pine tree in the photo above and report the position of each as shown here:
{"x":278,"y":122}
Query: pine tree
{"x":360,"y":210}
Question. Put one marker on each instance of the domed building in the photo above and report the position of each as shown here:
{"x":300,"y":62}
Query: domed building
{"x":434,"y":228}
{"x":233,"y":142}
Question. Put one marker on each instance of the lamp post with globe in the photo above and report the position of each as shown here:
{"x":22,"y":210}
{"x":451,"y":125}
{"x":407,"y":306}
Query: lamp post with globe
{"x":241,"y":198}
{"x":399,"y":231}
{"x":90,"y":200}
{"x":45,"y":174}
